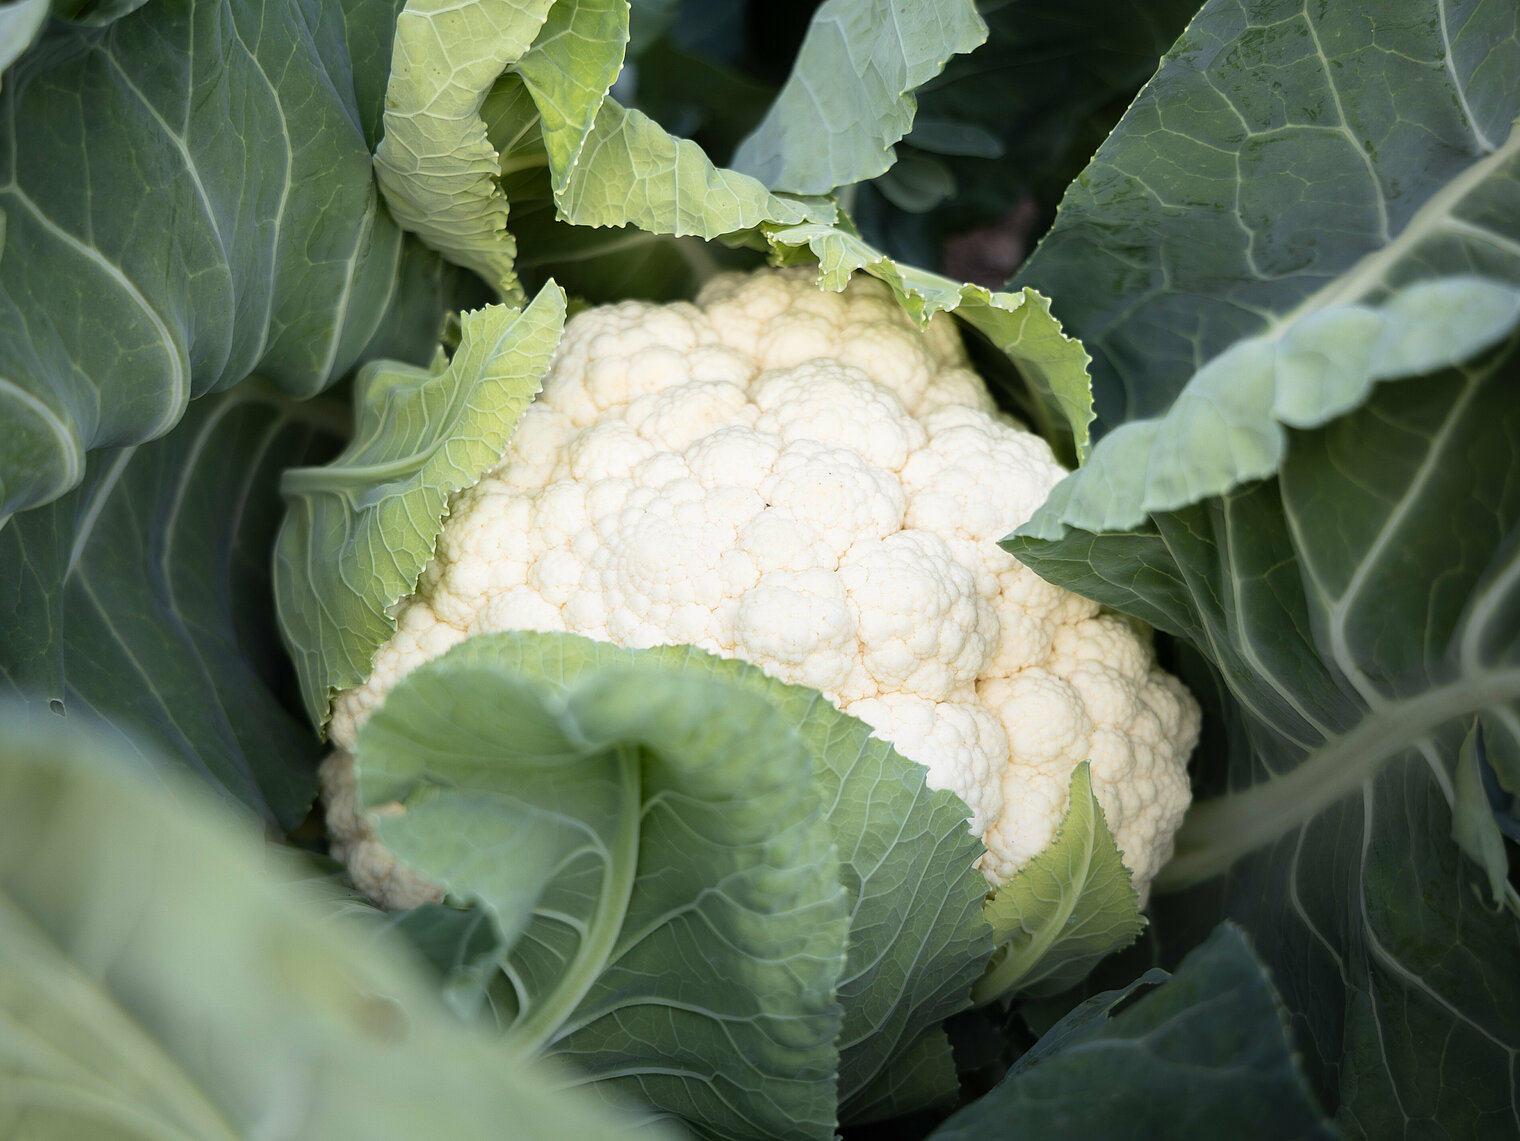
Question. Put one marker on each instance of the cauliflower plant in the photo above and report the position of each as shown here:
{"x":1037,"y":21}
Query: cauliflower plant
{"x":808,"y":482}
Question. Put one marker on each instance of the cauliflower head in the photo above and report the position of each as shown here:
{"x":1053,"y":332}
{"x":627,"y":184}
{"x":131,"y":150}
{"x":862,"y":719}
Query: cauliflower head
{"x":808,"y":482}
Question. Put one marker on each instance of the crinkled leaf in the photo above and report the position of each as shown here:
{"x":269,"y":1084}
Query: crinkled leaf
{"x":360,"y":530}
{"x":1064,"y":910}
{"x":1206,"y":1055}
{"x":652,"y":846}
{"x":849,"y":97}
{"x":1360,"y":609}
{"x":140,"y":602}
{"x":436,"y":166}
{"x":1020,"y":325}
{"x":1286,"y":158}
{"x":156,"y":981}
{"x":243,"y":124}
{"x":568,"y":72}
{"x":634,"y":172}
{"x":611,"y":166}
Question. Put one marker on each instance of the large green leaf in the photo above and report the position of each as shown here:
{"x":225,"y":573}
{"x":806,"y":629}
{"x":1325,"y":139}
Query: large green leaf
{"x":1205,"y":1056}
{"x":1286,"y":158}
{"x":849,"y":97}
{"x":1230,"y":424}
{"x":185,"y":198}
{"x":1360,"y":609}
{"x":662,"y":871}
{"x":361,"y":529}
{"x":905,"y":861}
{"x":1328,"y":513}
{"x":156,"y":983}
{"x":140,"y":601}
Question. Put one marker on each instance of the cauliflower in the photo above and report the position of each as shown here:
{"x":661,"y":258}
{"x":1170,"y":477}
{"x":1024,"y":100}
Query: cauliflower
{"x":808,"y":482}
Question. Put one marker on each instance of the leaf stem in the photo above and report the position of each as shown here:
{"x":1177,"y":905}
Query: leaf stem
{"x":1218,"y":832}
{"x":532,"y":1032}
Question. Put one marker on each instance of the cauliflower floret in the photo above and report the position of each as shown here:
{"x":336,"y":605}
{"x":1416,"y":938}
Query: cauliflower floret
{"x":808,"y":482}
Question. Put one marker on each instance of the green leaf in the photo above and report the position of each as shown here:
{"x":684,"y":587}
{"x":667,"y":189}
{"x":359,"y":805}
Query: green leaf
{"x":920,"y":1076}
{"x":917,"y":940}
{"x":1206,"y":1055}
{"x":633,"y":171}
{"x":94,"y":12}
{"x":642,"y":857}
{"x":1358,"y":610}
{"x":155,"y":981}
{"x":1020,"y":325}
{"x":569,"y":71}
{"x":1016,"y":120}
{"x":1066,"y":909}
{"x":279,"y":259}
{"x":20,"y":23}
{"x":611,"y":166}
{"x":435,"y":165}
{"x":1473,"y":825}
{"x":360,"y":530}
{"x":1228,"y":426}
{"x":140,"y":602}
{"x":1284,"y":160}
{"x":849,"y":96}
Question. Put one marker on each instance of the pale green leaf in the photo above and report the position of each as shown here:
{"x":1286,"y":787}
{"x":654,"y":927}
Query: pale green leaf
{"x":157,"y":984}
{"x":646,"y":837}
{"x":849,"y":97}
{"x":568,"y":72}
{"x":435,"y":165}
{"x":918,"y":940}
{"x":1064,"y":910}
{"x":360,"y":530}
{"x":632,"y":171}
{"x":1227,"y":427}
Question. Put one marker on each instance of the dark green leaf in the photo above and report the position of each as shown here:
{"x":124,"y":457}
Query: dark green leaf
{"x":849,"y":98}
{"x":1205,"y":1056}
{"x":140,"y":602}
{"x":241,"y":122}
{"x":1360,"y":609}
{"x":1286,"y":158}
